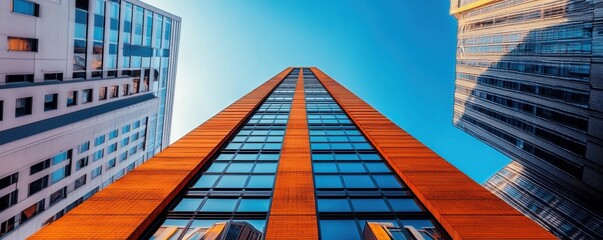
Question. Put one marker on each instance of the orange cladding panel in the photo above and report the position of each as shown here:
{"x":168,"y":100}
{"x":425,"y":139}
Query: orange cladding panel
{"x":465,"y":209}
{"x":126,"y":208}
{"x":293,"y":211}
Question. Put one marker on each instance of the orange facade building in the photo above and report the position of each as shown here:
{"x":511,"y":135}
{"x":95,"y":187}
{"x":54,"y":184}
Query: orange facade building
{"x":300,"y":157}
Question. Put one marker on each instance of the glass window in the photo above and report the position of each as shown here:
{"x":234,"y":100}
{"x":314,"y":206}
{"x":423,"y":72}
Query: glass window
{"x":217,"y":167}
{"x":38,"y":167}
{"x":328,"y":181}
{"x":232,"y":181}
{"x":254,"y":205}
{"x":102,"y":93}
{"x":265,"y":168}
{"x":51,"y":101}
{"x":423,"y":226}
{"x":96,"y":172}
{"x":404,"y":205}
{"x":370,"y":157}
{"x":26,"y":7}
{"x":22,"y":44}
{"x":322,"y":157}
{"x":225,"y":157}
{"x":23,"y":106}
{"x":268,"y":157}
{"x":188,"y":205}
{"x":346,"y":157}
{"x":240,"y":168}
{"x":86,"y":95}
{"x":387,"y":181}
{"x":339,"y":230}
{"x":351,"y":167}
{"x":219,"y":205}
{"x":325,"y":167}
{"x":99,"y":140}
{"x":245,"y":157}
{"x":333,"y":205}
{"x":360,"y":181}
{"x":261,"y":181}
{"x":369,"y":205}
{"x":81,"y":163}
{"x":377,"y":167}
{"x":113,"y":134}
{"x":71,"y":98}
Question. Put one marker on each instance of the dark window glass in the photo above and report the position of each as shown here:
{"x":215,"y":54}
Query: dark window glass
{"x":81,"y":4}
{"x":404,"y":205}
{"x":339,"y":230}
{"x":77,"y":75}
{"x":8,"y":180}
{"x":53,"y":76}
{"x":1,"y":110}
{"x":328,"y":181}
{"x":86,"y":95}
{"x":358,"y":181}
{"x":19,"y":78}
{"x":8,"y":200}
{"x":387,"y":181}
{"x":58,"y":196}
{"x":38,"y":185}
{"x":22,"y":44}
{"x":23,"y":106}
{"x":38,"y":167}
{"x":51,"y":101}
{"x":81,"y":181}
{"x":333,"y":205}
{"x":369,"y":205}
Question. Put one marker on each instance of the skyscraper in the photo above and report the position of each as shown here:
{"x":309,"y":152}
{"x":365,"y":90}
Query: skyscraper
{"x":299,"y":157}
{"x":86,"y":92}
{"x":529,"y":83}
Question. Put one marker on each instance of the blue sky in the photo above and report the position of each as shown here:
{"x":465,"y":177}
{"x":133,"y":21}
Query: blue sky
{"x":398,"y":56}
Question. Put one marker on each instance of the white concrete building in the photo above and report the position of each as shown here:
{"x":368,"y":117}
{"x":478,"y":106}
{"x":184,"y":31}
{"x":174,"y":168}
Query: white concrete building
{"x":86,"y":95}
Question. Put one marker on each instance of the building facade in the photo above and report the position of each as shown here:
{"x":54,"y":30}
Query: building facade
{"x":86,"y":93}
{"x":299,"y":157}
{"x":529,"y":82}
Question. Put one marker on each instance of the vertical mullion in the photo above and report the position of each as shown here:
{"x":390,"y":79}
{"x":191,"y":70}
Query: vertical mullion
{"x":293,"y":210}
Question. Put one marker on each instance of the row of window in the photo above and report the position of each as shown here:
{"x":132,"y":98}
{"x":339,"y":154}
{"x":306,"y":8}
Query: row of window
{"x":573,"y":145}
{"x":533,"y":207}
{"x":543,"y":203}
{"x":564,"y":32}
{"x":582,"y":47}
{"x":24,"y":106}
{"x":578,"y":71}
{"x":564,"y":94}
{"x":528,"y":108}
{"x":20,"y":78}
{"x":538,"y":14}
{"x":556,"y":161}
